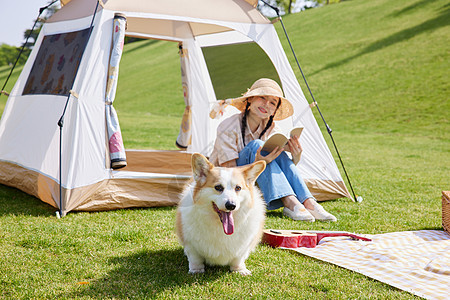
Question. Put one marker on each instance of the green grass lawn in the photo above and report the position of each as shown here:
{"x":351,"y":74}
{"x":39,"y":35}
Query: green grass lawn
{"x":379,"y":71}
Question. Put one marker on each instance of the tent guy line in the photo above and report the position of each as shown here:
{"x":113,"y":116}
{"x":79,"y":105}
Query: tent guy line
{"x":329,"y":130}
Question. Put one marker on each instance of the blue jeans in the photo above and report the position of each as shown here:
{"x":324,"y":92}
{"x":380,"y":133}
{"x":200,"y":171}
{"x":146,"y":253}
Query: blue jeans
{"x":280,"y":178}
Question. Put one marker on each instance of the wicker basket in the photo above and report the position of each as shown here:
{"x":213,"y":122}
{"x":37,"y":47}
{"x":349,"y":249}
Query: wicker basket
{"x":446,"y":210}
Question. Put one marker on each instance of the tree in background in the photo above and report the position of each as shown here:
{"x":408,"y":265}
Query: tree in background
{"x":327,"y":1}
{"x":289,"y":6}
{"x":8,"y":54}
{"x":40,"y":22}
{"x":283,"y":5}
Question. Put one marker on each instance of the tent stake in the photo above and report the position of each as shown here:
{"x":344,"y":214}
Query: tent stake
{"x":277,"y":11}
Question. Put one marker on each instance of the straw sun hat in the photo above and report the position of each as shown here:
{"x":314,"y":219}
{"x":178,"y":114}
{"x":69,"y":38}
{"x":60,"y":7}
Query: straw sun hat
{"x":266,"y":87}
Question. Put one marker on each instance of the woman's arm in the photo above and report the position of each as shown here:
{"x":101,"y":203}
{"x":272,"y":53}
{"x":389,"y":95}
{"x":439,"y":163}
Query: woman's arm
{"x":229,"y":164}
{"x":268,"y":158}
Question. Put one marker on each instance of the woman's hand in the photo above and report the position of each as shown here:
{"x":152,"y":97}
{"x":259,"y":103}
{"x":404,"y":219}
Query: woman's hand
{"x":269,"y":157}
{"x":294,"y":146}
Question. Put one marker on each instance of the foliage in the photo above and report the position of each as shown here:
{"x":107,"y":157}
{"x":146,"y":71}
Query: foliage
{"x":8,"y":55}
{"x":43,"y":16}
{"x":283,"y":5}
{"x":287,"y":6}
{"x":326,"y":2}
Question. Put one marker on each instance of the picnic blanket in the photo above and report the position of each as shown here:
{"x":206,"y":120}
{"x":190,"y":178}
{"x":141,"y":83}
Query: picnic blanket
{"x":414,"y":261}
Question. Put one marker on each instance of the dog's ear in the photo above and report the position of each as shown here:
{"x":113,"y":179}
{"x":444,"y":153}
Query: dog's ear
{"x":200,"y":167}
{"x":251,"y":172}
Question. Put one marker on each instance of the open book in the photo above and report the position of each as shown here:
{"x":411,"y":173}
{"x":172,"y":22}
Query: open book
{"x":280,"y":139}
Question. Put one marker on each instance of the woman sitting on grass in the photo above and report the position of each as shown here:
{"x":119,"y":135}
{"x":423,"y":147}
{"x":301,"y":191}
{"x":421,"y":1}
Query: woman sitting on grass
{"x":239,"y":141}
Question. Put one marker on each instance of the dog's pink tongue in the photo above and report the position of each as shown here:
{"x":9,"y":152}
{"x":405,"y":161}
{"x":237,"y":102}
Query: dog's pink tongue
{"x":227,"y":222}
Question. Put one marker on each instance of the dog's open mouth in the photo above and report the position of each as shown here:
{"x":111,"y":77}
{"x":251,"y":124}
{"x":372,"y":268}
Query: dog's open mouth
{"x":226,"y":217}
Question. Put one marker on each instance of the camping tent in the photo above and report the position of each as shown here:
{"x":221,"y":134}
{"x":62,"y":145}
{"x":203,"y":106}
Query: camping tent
{"x":67,"y":71}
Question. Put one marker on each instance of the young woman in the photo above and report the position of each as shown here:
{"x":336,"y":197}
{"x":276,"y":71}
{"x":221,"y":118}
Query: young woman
{"x":239,"y":141}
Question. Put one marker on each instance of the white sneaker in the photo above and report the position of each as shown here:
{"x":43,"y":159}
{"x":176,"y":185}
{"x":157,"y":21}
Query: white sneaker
{"x":298,"y":214}
{"x":319,"y":213}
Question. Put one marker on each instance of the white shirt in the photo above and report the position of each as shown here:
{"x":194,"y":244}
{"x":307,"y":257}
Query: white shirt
{"x":229,"y":138}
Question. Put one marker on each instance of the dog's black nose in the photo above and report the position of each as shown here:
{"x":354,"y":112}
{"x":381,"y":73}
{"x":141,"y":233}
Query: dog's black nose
{"x":230,"y":205}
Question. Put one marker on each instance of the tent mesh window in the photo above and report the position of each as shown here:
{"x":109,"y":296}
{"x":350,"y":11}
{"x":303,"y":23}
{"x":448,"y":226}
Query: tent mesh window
{"x":234,"y":68}
{"x":56,"y":64}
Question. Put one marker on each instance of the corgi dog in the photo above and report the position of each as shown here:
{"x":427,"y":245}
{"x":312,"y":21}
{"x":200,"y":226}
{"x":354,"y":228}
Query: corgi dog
{"x":221,"y":215}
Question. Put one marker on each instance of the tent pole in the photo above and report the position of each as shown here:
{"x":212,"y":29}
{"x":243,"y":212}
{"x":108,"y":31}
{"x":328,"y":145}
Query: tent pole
{"x":276,"y":9}
{"x":61,"y":124}
{"x":59,"y":213}
{"x":41,"y":10}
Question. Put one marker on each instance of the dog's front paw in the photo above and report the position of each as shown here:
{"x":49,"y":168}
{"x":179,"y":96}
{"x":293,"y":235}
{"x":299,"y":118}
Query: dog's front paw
{"x":241,"y":270}
{"x":245,"y":272}
{"x":196,"y":262}
{"x":197,"y":269}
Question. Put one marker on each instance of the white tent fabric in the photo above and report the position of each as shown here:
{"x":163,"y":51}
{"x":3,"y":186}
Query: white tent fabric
{"x":29,"y":139}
